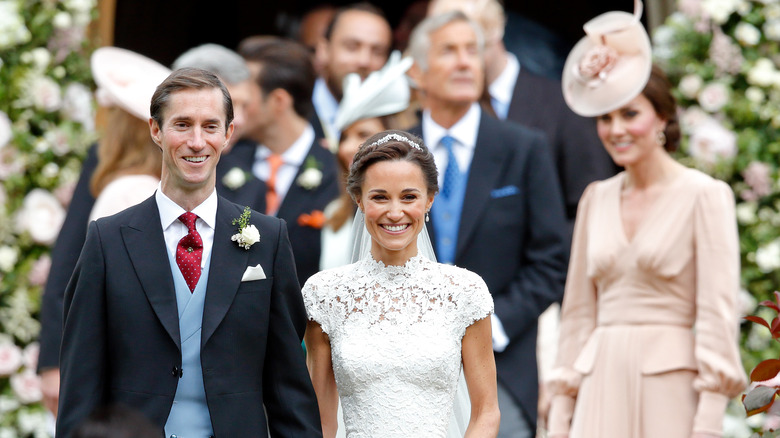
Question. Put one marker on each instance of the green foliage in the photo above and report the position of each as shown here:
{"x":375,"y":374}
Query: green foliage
{"x":46,"y":125}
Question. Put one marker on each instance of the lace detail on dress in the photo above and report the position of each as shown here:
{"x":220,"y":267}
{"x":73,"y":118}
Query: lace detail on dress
{"x":395,"y":334}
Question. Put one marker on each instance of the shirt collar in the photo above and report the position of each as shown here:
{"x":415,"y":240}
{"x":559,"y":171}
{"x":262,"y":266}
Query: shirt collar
{"x":170,"y":211}
{"x":503,"y":86}
{"x":295,"y":154}
{"x":464,"y":131}
{"x":326,"y":103}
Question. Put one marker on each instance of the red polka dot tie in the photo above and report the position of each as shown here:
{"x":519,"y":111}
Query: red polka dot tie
{"x":189,"y":251}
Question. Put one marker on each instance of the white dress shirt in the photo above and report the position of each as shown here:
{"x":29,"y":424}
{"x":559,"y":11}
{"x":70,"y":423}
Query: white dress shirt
{"x":327,"y":106}
{"x":174,"y":229}
{"x":464,"y":131}
{"x":503,"y":87}
{"x":292,"y":159}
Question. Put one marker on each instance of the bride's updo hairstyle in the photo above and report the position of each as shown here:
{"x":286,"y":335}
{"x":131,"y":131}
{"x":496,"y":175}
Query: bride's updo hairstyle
{"x":391,"y":145}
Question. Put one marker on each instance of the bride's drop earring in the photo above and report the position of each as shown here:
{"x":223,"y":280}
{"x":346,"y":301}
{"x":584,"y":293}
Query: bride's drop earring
{"x":427,"y":217}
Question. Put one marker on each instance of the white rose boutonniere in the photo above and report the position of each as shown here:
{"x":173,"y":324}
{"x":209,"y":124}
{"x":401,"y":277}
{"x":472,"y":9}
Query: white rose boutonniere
{"x":234,"y":179}
{"x":247,"y":234}
{"x":311,"y":177}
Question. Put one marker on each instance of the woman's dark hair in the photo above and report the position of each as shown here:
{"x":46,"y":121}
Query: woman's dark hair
{"x":659,"y":92}
{"x":392,"y":145}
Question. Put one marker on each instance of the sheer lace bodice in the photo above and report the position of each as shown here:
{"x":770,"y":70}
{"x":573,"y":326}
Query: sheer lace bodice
{"x":395,"y":335}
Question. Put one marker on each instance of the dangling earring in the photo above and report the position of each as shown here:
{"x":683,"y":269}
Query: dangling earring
{"x":660,"y":138}
{"x":427,"y":217}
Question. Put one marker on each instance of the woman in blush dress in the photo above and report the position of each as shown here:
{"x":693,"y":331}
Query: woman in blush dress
{"x":649,"y":324}
{"x":129,"y":162}
{"x":388,"y":335}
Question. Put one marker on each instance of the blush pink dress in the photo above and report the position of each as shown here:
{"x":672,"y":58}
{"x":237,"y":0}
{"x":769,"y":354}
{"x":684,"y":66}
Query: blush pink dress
{"x":648,"y":344}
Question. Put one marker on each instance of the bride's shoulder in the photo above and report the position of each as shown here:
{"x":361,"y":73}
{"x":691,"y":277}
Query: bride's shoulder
{"x":330,"y":277}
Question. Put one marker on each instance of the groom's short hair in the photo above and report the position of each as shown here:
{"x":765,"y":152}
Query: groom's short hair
{"x":188,"y":79}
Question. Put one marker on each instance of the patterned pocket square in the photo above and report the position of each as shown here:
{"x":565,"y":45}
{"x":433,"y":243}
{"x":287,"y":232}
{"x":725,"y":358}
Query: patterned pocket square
{"x":504,"y":192}
{"x":253,"y":273}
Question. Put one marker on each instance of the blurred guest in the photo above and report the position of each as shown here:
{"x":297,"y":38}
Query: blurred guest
{"x":519,"y":95}
{"x":649,"y":323}
{"x":314,"y":24}
{"x":358,"y":40}
{"x":116,"y":421}
{"x":232,"y":182}
{"x":369,"y":106}
{"x":499,"y":212}
{"x":412,"y":16}
{"x":233,"y":71}
{"x":127,"y":171}
{"x":301,"y":176}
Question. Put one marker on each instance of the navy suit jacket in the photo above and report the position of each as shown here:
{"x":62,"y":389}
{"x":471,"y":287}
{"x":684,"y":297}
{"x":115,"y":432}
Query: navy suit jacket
{"x":121,"y":340}
{"x":305,"y":240}
{"x":512,"y":233}
{"x":577,"y":151}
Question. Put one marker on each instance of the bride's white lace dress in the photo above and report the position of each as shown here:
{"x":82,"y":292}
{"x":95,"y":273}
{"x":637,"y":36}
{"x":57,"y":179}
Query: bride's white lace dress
{"x":395,"y":334}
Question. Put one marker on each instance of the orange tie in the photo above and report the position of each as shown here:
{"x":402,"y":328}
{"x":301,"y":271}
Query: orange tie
{"x":271,"y":197}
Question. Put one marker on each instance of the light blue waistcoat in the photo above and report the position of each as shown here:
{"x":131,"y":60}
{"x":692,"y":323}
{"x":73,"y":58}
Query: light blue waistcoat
{"x":189,"y":417}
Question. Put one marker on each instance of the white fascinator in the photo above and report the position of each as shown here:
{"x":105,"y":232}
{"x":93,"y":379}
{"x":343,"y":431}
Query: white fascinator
{"x":126,"y":79}
{"x":383,"y":92}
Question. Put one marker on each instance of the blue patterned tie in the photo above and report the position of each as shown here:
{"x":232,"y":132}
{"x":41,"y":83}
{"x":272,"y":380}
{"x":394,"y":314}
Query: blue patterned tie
{"x":452,"y":172}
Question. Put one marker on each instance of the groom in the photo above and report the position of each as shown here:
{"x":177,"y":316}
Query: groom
{"x":167,"y":314}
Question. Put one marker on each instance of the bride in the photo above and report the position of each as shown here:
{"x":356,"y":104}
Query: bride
{"x":390,"y":333}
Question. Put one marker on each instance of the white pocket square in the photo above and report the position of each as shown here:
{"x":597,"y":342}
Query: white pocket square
{"x":253,"y":273}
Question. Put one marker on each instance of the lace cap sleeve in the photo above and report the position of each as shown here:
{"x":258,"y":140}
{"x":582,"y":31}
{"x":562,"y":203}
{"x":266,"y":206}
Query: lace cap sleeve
{"x":475,"y":297}
{"x":315,"y":300}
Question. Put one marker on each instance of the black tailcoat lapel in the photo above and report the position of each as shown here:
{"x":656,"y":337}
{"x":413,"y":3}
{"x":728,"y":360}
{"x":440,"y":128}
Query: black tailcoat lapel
{"x":228,"y":262}
{"x":143,"y":237}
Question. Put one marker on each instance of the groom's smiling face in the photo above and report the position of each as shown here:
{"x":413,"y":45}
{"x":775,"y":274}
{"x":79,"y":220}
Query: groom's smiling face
{"x":192,"y":136}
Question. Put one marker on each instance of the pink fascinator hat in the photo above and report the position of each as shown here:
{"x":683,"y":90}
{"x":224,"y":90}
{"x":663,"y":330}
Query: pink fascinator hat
{"x":610,"y":66}
{"x":126,"y":79}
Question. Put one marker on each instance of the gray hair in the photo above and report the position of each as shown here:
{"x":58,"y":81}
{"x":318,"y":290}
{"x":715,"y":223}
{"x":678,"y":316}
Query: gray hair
{"x":223,"y":62}
{"x":420,"y":40}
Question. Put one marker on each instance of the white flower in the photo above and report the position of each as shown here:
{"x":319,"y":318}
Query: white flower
{"x":26,"y":386}
{"x":12,"y":28}
{"x":310,"y":178}
{"x":32,"y":422}
{"x":41,"y":215}
{"x":234,"y":179}
{"x":77,"y":105}
{"x":40,"y":57}
{"x":719,"y":10}
{"x":772,"y":30}
{"x":8,"y":404}
{"x":747,"y":303}
{"x":5,"y":129}
{"x":62,"y":20}
{"x":10,"y":358}
{"x":755,"y":94}
{"x":57,"y":140}
{"x":768,"y":256}
{"x":247,"y":236}
{"x":747,"y":34}
{"x":693,"y":117}
{"x":7,"y":432}
{"x":690,"y":85}
{"x":746,"y":213}
{"x":762,"y":73}
{"x":30,"y":355}
{"x":710,"y":142}
{"x":45,"y":94}
{"x":8,"y":258}
{"x":714,"y":96}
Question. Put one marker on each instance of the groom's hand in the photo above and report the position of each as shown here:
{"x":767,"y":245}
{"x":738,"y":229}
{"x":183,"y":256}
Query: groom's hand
{"x":50,"y":388}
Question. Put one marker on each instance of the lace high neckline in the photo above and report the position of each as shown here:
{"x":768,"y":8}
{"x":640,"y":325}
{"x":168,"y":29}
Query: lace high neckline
{"x":414,"y":264}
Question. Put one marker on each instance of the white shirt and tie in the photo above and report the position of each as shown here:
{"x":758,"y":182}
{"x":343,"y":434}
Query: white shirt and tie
{"x":174,"y":229}
{"x":464,"y":132}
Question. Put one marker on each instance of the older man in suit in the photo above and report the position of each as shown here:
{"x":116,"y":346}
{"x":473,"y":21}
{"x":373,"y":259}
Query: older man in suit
{"x":499,"y":211}
{"x":300,"y":174}
{"x":146,"y":325}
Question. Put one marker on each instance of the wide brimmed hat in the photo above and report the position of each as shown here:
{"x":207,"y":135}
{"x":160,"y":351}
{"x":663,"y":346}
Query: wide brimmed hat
{"x":384,"y":92}
{"x":610,"y":66}
{"x":126,"y":79}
